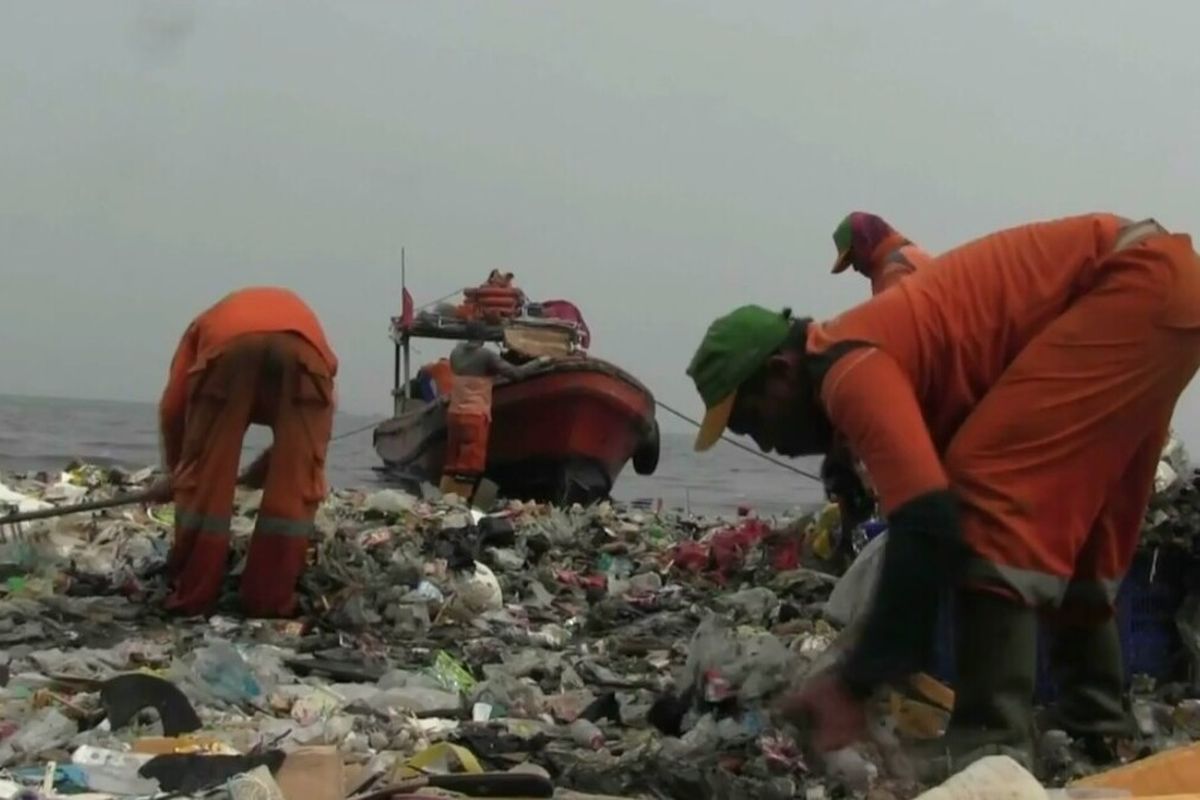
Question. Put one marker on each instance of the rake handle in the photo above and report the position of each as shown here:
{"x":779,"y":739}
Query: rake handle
{"x":149,"y":495}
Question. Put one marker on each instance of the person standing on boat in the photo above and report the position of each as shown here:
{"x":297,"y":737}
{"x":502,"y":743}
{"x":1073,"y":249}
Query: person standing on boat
{"x":469,"y":417}
{"x":1011,"y":404}
{"x":259,"y":356}
{"x":876,"y":250}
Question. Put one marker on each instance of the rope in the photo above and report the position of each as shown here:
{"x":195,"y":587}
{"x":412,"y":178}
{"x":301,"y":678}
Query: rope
{"x":664,"y":407}
{"x":659,"y":403}
{"x":356,"y":430}
{"x":741,"y":446}
{"x":440,"y":299}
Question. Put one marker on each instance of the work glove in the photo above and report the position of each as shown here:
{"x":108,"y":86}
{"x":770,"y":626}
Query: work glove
{"x":824,"y":707}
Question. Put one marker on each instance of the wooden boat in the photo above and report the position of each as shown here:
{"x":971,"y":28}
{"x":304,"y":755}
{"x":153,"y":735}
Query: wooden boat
{"x":562,"y":434}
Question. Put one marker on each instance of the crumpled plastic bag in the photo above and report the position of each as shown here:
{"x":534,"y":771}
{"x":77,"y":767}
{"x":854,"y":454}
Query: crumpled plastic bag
{"x":390,"y":501}
{"x":852,"y":594}
{"x":476,"y":593}
{"x":20,"y":502}
{"x":48,"y":729}
{"x":723,"y":662}
{"x":11,"y":502}
{"x":1173,"y":467}
{"x":989,"y":777}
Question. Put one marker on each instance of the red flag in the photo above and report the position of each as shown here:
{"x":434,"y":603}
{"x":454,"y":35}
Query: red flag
{"x":406,"y":309}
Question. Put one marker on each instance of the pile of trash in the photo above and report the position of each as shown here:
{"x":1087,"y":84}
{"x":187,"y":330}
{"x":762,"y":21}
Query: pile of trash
{"x":604,"y":650}
{"x":1173,"y":518}
{"x":612,"y":651}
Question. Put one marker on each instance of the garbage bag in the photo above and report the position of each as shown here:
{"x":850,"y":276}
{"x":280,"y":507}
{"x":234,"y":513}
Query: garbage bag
{"x":852,"y":594}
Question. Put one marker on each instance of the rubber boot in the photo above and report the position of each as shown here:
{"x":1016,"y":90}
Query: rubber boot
{"x":1092,"y":705}
{"x":996,"y":654}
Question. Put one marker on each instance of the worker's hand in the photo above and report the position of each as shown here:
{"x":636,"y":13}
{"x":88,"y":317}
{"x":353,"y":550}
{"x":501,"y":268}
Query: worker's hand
{"x":160,"y":491}
{"x":825,"y":707}
{"x":530,"y":367}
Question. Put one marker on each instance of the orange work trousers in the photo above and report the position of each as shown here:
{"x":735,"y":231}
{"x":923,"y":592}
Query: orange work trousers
{"x":466,"y":443}
{"x":1055,"y":466}
{"x":281,"y":381}
{"x":468,"y":424}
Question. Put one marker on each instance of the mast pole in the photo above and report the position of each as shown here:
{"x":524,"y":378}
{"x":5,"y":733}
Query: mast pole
{"x":396,"y":378}
{"x":407,"y":353}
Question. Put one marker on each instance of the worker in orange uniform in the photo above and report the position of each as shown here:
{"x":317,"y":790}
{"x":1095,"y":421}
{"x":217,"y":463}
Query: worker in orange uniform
{"x":259,"y":356}
{"x":1010,"y":402}
{"x":875,"y":249}
{"x":469,"y":416}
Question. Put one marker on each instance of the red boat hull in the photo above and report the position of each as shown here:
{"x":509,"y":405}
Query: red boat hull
{"x":563,"y":435}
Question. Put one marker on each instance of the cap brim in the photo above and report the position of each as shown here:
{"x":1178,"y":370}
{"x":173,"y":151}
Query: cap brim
{"x":843,"y":262}
{"x":714,"y":423}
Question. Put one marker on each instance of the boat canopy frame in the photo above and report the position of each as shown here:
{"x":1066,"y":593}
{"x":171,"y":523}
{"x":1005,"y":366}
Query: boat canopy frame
{"x":405,"y":328}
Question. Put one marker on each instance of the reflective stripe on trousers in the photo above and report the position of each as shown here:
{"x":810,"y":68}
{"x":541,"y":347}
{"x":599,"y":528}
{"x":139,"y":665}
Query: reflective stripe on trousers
{"x":1039,"y":588}
{"x":279,"y":526}
{"x":204,"y":523}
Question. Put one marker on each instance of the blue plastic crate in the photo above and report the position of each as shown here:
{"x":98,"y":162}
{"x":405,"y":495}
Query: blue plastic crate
{"x":1150,"y":596}
{"x":1147,"y":602}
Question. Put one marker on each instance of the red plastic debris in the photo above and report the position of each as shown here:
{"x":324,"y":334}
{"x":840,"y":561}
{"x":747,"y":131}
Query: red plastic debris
{"x":690,"y":556}
{"x":781,"y":753}
{"x":717,"y":687}
{"x":594,"y":582}
{"x":730,"y":546}
{"x":572,"y":578}
{"x":785,"y":553}
{"x":725,"y":551}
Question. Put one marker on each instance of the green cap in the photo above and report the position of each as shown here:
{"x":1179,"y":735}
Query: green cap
{"x":734,"y":348}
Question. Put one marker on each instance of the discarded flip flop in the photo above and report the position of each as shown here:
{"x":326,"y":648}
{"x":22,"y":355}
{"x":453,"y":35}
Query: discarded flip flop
{"x":194,"y":772}
{"x":339,"y":670}
{"x":484,"y":784}
{"x":126,"y":695}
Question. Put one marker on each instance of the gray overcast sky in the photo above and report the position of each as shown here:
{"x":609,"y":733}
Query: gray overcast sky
{"x":657,"y":162}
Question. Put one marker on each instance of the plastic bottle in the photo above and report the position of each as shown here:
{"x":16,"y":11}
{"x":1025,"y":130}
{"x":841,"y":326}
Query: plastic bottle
{"x":113,"y":772}
{"x":585,"y":733}
{"x":865,"y":532}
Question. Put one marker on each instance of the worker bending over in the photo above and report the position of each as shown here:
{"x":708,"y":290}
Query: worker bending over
{"x":257,"y":357}
{"x":875,"y":249}
{"x":1010,"y":402}
{"x":469,"y":417}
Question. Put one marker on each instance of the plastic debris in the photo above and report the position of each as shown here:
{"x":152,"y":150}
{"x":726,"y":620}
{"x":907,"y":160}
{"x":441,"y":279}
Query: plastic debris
{"x":257,"y":784}
{"x":621,"y":651}
{"x":113,"y":772}
{"x":993,"y":776}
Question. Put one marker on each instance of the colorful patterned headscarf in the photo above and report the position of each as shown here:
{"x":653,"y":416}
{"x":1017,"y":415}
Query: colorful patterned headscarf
{"x":856,"y":239}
